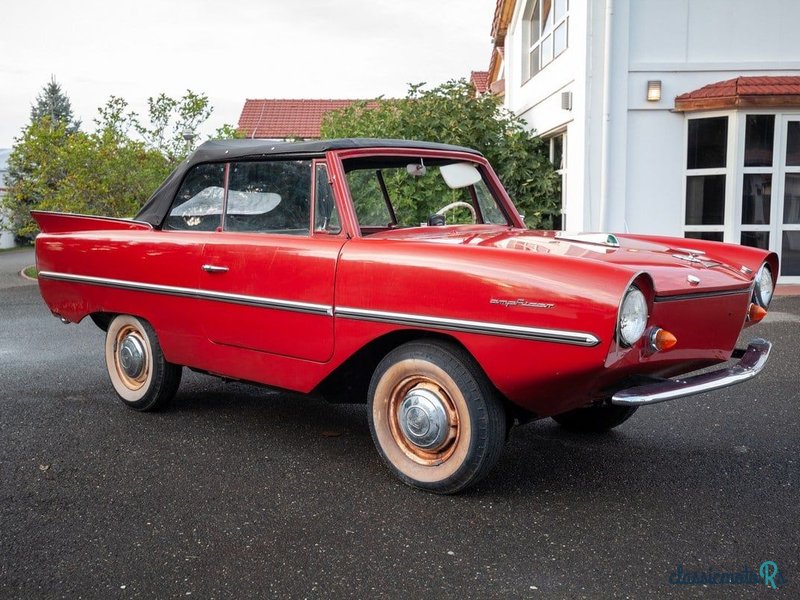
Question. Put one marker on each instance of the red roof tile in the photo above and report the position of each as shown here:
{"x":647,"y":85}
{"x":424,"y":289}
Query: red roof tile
{"x":480,"y":81}
{"x":498,"y":11}
{"x":503,"y":11}
{"x":281,"y":119}
{"x":777,"y":91}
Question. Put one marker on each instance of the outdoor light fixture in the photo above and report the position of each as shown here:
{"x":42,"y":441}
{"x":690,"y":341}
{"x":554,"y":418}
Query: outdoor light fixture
{"x":654,"y":90}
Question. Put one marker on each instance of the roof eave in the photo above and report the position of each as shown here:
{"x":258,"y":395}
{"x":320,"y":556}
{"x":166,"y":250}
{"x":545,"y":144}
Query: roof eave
{"x":736,"y":102}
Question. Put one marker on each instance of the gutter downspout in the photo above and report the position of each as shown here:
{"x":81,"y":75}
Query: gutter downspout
{"x":605,"y":136}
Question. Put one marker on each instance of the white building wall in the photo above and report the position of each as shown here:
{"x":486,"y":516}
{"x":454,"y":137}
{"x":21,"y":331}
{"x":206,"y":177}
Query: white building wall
{"x":538,"y":101}
{"x":639,"y":186}
{"x":687,"y":44}
{"x":6,"y":237}
{"x":654,"y":177}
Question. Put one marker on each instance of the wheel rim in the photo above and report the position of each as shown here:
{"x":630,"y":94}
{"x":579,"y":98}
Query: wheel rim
{"x":131,"y":358}
{"x":423,"y":420}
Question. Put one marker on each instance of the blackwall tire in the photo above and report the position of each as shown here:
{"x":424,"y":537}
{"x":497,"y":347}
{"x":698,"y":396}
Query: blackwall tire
{"x":595,"y":419}
{"x":434,"y":417}
{"x":141,"y":376}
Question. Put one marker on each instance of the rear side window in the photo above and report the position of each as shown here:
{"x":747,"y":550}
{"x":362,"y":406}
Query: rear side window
{"x":326,"y":217}
{"x":269,"y":197}
{"x":198,"y":204}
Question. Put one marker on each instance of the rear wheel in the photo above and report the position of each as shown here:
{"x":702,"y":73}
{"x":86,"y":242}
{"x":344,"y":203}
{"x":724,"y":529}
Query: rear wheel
{"x":595,"y":419}
{"x":141,"y":376}
{"x":434,"y":417}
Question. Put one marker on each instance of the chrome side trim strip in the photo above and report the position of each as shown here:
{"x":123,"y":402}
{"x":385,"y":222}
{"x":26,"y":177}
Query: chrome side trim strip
{"x":751,"y":364}
{"x":700,"y":295}
{"x":304,"y":307}
{"x":360,"y":314}
{"x":499,"y":329}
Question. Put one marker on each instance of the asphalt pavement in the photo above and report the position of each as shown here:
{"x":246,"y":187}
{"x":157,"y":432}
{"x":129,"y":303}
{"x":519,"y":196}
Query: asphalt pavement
{"x":242,"y":492}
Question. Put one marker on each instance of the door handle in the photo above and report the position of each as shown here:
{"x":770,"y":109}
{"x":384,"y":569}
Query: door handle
{"x":214,"y":269}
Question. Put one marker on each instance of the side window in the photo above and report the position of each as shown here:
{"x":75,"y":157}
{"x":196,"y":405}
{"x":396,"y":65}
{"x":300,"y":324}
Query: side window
{"x":198,"y":204}
{"x":489,"y":209}
{"x":269,"y":197}
{"x":326,"y":218}
{"x":368,"y":199}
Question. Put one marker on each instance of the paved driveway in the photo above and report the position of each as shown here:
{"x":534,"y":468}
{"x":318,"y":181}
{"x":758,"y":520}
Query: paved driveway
{"x":240,"y":492}
{"x":11,"y":263}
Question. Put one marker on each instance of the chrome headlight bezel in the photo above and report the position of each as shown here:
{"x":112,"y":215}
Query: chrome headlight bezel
{"x":633,"y":317}
{"x":764,"y":286}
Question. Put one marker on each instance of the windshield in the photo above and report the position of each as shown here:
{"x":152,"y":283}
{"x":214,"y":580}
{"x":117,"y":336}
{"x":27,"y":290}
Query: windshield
{"x":396,"y":192}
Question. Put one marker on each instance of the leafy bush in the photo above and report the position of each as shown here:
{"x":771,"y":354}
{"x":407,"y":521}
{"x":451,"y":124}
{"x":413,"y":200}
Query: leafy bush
{"x":452,"y":114}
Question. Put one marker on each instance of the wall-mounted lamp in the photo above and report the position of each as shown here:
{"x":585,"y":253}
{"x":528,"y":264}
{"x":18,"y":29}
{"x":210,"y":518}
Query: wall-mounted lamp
{"x":654,"y":90}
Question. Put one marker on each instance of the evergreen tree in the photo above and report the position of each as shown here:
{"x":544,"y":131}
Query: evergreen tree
{"x":53,"y":103}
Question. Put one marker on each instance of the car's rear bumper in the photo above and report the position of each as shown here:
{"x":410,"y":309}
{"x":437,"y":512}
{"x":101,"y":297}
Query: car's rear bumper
{"x":753,"y":359}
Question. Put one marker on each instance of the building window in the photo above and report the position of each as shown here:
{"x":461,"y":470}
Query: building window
{"x":759,"y":142}
{"x":743,"y":183}
{"x":706,"y":178}
{"x":558,"y":156}
{"x":545,"y":35}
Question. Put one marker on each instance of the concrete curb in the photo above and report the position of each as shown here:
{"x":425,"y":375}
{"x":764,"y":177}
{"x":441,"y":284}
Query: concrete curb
{"x":787,"y":289}
{"x":22,"y":274}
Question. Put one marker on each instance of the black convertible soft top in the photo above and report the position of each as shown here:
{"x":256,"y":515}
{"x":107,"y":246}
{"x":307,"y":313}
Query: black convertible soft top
{"x":157,"y":206}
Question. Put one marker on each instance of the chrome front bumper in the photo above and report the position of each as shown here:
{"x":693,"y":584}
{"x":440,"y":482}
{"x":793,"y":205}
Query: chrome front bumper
{"x":752,"y":361}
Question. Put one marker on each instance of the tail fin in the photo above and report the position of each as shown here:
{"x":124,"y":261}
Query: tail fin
{"x":56,"y":222}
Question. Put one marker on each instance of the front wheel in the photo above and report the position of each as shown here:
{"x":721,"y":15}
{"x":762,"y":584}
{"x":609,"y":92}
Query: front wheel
{"x":595,"y":419}
{"x":141,"y":376}
{"x":434,"y":417}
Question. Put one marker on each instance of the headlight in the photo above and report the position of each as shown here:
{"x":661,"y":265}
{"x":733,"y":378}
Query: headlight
{"x":762,"y":293}
{"x":632,"y":317}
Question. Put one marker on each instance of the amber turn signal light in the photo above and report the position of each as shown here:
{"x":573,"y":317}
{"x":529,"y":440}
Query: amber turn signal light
{"x":661,"y":340}
{"x":756,"y":313}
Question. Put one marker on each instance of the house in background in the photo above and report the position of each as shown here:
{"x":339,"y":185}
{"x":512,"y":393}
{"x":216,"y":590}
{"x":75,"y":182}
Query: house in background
{"x":479,"y":80}
{"x":677,"y":117}
{"x":6,"y":237}
{"x":278,"y":119}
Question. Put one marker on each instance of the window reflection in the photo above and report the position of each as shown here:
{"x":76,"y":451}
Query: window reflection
{"x":790,"y":253}
{"x":759,"y":138}
{"x":791,"y":199}
{"x":755,"y":239}
{"x":756,"y":193}
{"x":705,"y":200}
{"x":793,"y":144}
{"x":708,"y":143}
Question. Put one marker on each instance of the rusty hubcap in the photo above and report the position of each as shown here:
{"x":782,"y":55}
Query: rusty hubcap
{"x":423,"y":420}
{"x":131,"y":358}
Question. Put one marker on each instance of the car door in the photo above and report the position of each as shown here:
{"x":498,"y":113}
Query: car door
{"x":166,"y":262}
{"x":268,"y":276}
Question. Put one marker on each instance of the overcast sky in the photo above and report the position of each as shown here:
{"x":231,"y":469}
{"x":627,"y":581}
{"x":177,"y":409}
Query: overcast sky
{"x":231,"y":50}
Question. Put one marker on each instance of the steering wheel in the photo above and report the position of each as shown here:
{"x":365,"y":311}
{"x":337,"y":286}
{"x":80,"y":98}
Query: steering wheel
{"x":458,"y":204}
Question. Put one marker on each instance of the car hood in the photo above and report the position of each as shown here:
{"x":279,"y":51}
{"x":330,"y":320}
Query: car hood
{"x":673,"y":263}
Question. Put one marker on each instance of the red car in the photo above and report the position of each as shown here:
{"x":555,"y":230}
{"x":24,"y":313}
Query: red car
{"x":399,"y":274}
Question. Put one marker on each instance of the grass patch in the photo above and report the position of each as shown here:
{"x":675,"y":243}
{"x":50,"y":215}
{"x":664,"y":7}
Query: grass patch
{"x":30,"y":272}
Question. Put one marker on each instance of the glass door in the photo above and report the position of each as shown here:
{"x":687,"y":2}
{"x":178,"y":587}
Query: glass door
{"x":768,"y":214}
{"x":788,"y":213}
